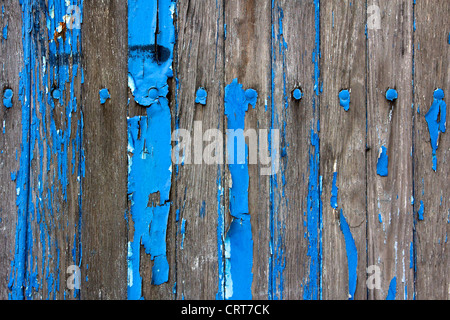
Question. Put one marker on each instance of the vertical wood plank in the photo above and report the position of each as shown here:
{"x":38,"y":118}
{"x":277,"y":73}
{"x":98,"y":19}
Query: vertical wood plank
{"x":104,"y":200}
{"x":390,"y":213}
{"x":343,"y":149}
{"x":296,"y":201}
{"x":198,"y":182}
{"x":432,"y":195}
{"x":11,"y":62}
{"x":247,"y":53}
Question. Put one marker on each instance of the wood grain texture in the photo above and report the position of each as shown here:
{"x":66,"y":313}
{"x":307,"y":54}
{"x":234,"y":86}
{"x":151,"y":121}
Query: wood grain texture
{"x":104,"y":235}
{"x":296,"y":238}
{"x":197,"y":185}
{"x":432,"y":58}
{"x":343,"y":144}
{"x":390,"y":214}
{"x":247,"y":56}
{"x":11,"y":61}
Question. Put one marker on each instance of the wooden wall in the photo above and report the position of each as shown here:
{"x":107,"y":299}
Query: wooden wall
{"x":323,"y":223}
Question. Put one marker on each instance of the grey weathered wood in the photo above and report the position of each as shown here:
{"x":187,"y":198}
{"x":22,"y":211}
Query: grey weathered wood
{"x":247,"y":58}
{"x":296,"y":222}
{"x":11,"y":62}
{"x":343,"y":143}
{"x":199,"y":63}
{"x":432,"y":58}
{"x":104,"y":204}
{"x":390,"y":125}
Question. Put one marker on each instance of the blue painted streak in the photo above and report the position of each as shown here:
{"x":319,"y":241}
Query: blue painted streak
{"x":238,"y":242}
{"x":334,"y":192}
{"x":392,"y":289}
{"x":383,"y":163}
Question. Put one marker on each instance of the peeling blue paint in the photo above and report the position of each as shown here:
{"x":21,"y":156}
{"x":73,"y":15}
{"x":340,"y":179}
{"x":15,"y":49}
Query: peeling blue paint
{"x":344,"y":99}
{"x":392,"y":289}
{"x":40,"y":134}
{"x":297,"y":94}
{"x":436,"y":119}
{"x":334,"y":192}
{"x":150,"y":60}
{"x":7,"y":98}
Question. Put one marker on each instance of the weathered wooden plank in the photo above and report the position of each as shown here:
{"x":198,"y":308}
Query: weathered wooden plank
{"x":11,"y":61}
{"x":104,"y":187}
{"x":295,"y":190}
{"x":247,"y":59}
{"x":343,"y":150}
{"x":390,"y":220}
{"x":199,"y":172}
{"x":432,"y":194}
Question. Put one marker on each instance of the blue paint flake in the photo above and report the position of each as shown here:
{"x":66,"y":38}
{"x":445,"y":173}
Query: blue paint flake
{"x":383,"y":163}
{"x":352,"y":256}
{"x":436,"y":119}
{"x":344,"y":99}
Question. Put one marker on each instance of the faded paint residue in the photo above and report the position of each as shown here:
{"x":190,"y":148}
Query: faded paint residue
{"x":383,"y":163}
{"x":238,"y":242}
{"x":436,"y":119}
{"x":352,"y":256}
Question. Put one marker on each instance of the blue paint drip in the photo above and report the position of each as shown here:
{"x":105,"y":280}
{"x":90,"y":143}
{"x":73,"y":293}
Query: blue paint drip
{"x":383,"y":163}
{"x":5,"y":32}
{"x":352,"y":256}
{"x":334,"y":192}
{"x":238,"y":242}
{"x":391,"y":94}
{"x":344,"y":99}
{"x":436,"y":119}
{"x":201,"y":96}
{"x":7,"y":98}
{"x":104,"y":95}
{"x":392,"y":289}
